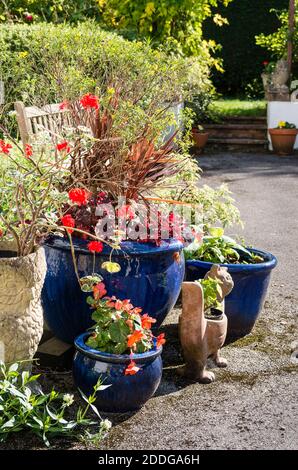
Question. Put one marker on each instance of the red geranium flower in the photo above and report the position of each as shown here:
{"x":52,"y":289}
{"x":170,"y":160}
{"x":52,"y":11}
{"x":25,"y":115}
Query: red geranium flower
{"x":89,"y":101}
{"x":99,"y":291}
{"x":160,"y":340}
{"x":147,"y":321}
{"x":134,"y":338}
{"x":63,"y":146}
{"x":28,"y":151}
{"x":4,"y":147}
{"x":265,"y":63}
{"x":95,"y":247}
{"x":79,"y":195}
{"x":131,"y":369}
{"x":68,"y":221}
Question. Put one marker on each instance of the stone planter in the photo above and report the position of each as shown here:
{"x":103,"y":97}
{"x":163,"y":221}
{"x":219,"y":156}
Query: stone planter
{"x":283,"y":140}
{"x":21,"y":315}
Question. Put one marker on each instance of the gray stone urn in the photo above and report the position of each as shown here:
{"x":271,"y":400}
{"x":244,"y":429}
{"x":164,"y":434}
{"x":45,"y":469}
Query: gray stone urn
{"x":21,"y":315}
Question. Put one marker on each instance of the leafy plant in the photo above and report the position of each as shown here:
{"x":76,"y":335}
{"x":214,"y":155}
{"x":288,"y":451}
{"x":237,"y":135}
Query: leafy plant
{"x":119,"y":326}
{"x":22,"y":408}
{"x":211,"y":290}
{"x":219,"y":248}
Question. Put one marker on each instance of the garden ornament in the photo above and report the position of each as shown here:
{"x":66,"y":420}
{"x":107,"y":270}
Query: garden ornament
{"x":202,"y":338}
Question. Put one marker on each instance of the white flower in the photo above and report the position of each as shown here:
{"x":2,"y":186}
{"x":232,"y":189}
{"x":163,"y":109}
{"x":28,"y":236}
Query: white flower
{"x":68,"y":399}
{"x":105,"y":425}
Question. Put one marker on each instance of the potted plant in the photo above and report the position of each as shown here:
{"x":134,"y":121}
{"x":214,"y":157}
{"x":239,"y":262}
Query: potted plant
{"x":25,"y":195}
{"x":108,"y":182}
{"x":250,"y":269}
{"x":121,"y":349}
{"x":200,"y":137}
{"x":283,"y":138}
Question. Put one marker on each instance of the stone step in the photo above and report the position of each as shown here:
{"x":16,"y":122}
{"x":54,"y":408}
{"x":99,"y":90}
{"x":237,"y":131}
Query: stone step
{"x":237,"y":141}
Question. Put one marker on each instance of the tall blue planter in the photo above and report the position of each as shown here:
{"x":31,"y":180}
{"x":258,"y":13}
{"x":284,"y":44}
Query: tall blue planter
{"x":150,"y":277}
{"x":244,"y":304}
{"x":127,"y":392}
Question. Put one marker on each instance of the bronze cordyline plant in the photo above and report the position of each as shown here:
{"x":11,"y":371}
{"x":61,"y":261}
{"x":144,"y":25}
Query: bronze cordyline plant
{"x":100,"y":160}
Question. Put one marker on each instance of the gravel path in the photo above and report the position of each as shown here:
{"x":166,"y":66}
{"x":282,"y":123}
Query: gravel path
{"x":253,"y":404}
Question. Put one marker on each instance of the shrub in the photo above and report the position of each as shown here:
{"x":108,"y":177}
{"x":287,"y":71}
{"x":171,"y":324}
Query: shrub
{"x":76,"y":60}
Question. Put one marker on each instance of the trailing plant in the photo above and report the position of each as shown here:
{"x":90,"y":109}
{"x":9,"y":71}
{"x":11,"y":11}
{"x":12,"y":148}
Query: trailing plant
{"x":119,"y":326}
{"x":25,"y":407}
{"x":219,"y":248}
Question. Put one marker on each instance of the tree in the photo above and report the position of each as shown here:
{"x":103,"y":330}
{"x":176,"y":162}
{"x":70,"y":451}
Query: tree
{"x":175,"y":23}
{"x":291,"y":32}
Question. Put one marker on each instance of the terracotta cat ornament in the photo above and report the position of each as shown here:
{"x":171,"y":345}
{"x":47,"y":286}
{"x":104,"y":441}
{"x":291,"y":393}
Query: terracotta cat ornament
{"x":202,"y":338}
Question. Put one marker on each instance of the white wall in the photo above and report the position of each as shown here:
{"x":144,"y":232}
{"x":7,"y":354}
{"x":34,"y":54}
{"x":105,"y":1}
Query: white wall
{"x":282,"y":111}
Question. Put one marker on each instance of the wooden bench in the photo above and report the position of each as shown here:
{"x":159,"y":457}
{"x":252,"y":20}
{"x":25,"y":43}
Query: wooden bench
{"x":33,"y":120}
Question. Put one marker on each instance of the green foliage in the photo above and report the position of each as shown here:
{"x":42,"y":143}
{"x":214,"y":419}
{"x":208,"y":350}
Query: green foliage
{"x":276,"y":43}
{"x":218,"y":248}
{"x":22,"y":408}
{"x":210,"y":205}
{"x":76,"y":60}
{"x":235,"y":107}
{"x":57,"y":11}
{"x":211,"y":290}
{"x":115,"y":322}
{"x":177,"y":23}
{"x":242,"y":57}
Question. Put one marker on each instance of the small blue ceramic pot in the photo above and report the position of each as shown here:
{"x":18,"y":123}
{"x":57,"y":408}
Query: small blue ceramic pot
{"x":244,"y":304}
{"x":127,"y":392}
{"x":150,"y":277}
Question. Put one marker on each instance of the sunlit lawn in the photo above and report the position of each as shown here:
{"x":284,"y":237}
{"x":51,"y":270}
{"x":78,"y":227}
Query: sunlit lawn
{"x":236,"y":107}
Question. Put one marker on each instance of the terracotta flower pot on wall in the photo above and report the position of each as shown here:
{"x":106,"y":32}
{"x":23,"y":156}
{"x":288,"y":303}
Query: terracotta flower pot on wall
{"x":21,"y":315}
{"x":283,"y":140}
{"x":200,"y":138}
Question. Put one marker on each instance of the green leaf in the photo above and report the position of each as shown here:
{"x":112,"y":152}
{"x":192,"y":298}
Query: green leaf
{"x":111,"y":267}
{"x":216,"y":231}
{"x":118,"y":331}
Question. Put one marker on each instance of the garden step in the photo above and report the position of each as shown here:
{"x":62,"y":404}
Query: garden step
{"x":239,"y":131}
{"x":227,"y":140}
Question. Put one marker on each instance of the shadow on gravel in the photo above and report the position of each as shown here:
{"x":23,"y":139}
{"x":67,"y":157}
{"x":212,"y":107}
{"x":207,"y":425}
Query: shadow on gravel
{"x":253,"y":164}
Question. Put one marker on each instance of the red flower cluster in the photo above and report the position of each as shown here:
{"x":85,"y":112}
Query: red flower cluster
{"x":68,"y":221}
{"x":95,"y":247}
{"x":79,"y":195}
{"x":28,"y":151}
{"x":160,"y":340}
{"x":89,"y":101}
{"x":63,"y":146}
{"x":4,"y":147}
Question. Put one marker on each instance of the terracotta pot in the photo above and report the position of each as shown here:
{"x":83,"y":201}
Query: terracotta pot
{"x":283,"y":140}
{"x":200,"y":138}
{"x":21,"y":315}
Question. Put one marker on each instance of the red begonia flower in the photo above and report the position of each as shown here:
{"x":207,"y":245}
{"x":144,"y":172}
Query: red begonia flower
{"x":99,"y":291}
{"x":160,"y":340}
{"x":131,"y":369}
{"x":147,"y":321}
{"x":134,"y":338}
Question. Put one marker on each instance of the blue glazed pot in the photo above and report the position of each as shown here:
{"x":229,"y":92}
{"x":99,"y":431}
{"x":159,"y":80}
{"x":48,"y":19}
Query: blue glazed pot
{"x":150,"y":277}
{"x":127,"y":392}
{"x":244,"y":304}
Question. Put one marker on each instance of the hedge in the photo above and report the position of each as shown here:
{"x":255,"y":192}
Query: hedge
{"x":241,"y":55}
{"x":47,"y":63}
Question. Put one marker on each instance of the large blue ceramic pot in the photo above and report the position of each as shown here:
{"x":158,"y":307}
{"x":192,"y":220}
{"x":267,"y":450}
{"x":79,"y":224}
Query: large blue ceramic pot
{"x":150,"y":277}
{"x":244,"y":304}
{"x":127,"y":392}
